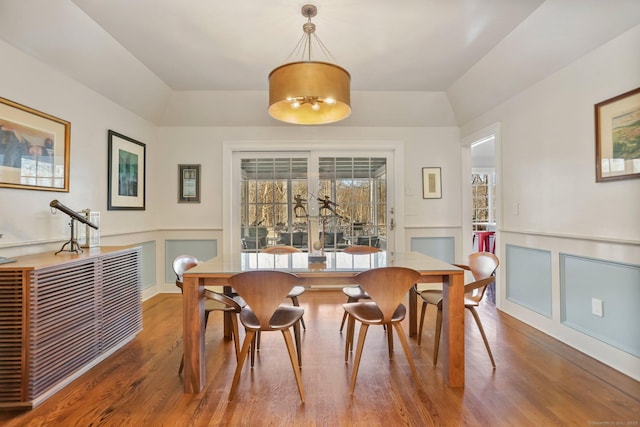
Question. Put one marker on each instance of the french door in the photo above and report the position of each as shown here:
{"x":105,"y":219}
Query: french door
{"x":313,"y":199}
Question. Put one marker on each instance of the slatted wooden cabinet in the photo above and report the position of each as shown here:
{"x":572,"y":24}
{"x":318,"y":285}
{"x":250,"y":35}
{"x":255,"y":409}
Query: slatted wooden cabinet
{"x":62,"y":314}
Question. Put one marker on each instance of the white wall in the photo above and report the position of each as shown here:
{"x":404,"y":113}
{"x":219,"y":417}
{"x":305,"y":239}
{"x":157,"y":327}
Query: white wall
{"x":548,"y":168}
{"x":25,"y":217}
{"x":423,"y":147}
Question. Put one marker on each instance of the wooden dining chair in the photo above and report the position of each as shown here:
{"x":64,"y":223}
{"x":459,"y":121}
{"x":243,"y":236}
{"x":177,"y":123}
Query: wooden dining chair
{"x":297,"y":290}
{"x":264,"y":291}
{"x":213,"y":301}
{"x":355,"y":293}
{"x":387,"y":287}
{"x":483,"y":266}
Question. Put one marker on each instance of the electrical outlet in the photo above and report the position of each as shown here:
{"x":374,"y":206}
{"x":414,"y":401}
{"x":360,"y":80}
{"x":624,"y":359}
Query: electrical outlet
{"x":515,"y":209}
{"x":597,"y":307}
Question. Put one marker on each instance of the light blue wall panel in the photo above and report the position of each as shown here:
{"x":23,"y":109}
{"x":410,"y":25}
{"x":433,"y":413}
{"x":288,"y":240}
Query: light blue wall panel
{"x":528,"y":274}
{"x":442,"y":248}
{"x":201,"y":249}
{"x":148,"y":264}
{"x":616,"y":285}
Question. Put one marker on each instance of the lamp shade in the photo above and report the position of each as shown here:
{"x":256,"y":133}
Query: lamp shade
{"x":309,"y":93}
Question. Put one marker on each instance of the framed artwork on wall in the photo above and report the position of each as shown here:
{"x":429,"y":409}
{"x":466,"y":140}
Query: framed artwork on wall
{"x":34,"y":149}
{"x":127,"y":166}
{"x":431,"y":183}
{"x":188,"y":183}
{"x":618,"y":137}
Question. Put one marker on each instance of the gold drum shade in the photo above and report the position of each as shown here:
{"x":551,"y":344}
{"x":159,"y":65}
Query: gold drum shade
{"x":309,"y":93}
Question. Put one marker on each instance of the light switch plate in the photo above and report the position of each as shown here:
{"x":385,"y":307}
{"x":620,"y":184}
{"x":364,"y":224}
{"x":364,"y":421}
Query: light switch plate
{"x":597,"y":307}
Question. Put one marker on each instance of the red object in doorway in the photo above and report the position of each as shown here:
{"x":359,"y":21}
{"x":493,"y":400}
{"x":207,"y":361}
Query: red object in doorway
{"x":484,"y":241}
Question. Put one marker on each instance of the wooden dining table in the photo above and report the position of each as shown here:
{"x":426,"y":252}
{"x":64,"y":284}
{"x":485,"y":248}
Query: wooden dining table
{"x":339,"y":268}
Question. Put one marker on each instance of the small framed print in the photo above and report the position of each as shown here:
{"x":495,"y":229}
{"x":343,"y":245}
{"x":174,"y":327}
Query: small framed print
{"x":188,"y":183}
{"x":431,"y":183}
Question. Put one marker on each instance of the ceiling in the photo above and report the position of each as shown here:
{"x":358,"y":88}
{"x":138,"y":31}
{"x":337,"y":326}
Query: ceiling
{"x":233,"y":45}
{"x":142,"y":53}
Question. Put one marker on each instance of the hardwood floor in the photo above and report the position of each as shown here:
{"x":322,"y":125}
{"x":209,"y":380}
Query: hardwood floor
{"x":538,"y":381}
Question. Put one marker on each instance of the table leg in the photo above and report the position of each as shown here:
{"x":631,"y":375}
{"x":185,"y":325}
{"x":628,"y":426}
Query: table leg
{"x":453,"y":329}
{"x":413,"y":312}
{"x":227,"y":290}
{"x":193,"y":334}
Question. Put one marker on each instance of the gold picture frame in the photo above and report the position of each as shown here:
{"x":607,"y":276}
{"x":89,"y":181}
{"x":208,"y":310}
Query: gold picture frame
{"x":617,"y":123}
{"x":34,"y":149}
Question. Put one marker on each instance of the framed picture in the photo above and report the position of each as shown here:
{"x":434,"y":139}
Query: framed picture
{"x":127,"y":166}
{"x":618,"y":137}
{"x":431,"y":183}
{"x":188,"y":183}
{"x":34,"y":149}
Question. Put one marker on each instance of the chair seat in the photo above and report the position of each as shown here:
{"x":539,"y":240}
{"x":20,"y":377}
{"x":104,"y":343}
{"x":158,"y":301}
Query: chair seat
{"x":296,"y":291}
{"x":284,"y":317}
{"x":355,"y":293}
{"x":435,"y":297}
{"x":368,"y":312}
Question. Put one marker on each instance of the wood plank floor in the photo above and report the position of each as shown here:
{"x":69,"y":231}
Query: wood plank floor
{"x":538,"y":381}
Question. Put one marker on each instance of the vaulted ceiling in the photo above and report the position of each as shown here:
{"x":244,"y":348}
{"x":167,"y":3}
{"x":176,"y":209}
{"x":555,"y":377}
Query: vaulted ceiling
{"x":153,"y":56}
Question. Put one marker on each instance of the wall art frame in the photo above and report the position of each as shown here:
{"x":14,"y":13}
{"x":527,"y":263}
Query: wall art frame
{"x":188,"y":183}
{"x":34,"y":149}
{"x":617,"y":123}
{"x":432,"y":183}
{"x":127,"y":169}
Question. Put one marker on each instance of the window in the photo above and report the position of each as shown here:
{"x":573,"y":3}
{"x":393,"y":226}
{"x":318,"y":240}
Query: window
{"x":348,"y":205}
{"x":268,"y":188}
{"x":483,"y":198}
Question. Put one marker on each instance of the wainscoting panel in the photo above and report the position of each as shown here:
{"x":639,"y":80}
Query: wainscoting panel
{"x":528,"y":274}
{"x":148,"y":264}
{"x":442,"y":248}
{"x":201,"y":249}
{"x":616,"y":285}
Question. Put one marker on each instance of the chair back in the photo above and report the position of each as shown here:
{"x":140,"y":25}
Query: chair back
{"x":263,"y":291}
{"x":387,"y":287}
{"x":483,"y":266}
{"x":361,"y":249}
{"x":280,"y":249}
{"x":182,"y":263}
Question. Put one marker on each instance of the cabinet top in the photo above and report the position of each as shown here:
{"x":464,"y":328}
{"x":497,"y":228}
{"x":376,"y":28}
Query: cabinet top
{"x":49,"y":259}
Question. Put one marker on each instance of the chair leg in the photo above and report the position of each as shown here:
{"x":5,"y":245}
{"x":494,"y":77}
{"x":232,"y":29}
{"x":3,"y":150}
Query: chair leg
{"x":422,"y":313}
{"x":436,"y":344}
{"x":295,"y":302}
{"x":344,"y":315}
{"x":294,"y":364}
{"x":348,"y":345}
{"x":234,"y":330}
{"x":484,"y":337}
{"x":389,"y":332}
{"x":255,"y":342}
{"x":407,"y":351}
{"x":248,"y":339}
{"x":296,"y":334}
{"x":356,"y":361}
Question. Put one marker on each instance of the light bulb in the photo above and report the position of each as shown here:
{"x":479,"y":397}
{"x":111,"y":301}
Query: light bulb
{"x":315,"y":106}
{"x":330,"y":101}
{"x":295,"y":105}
